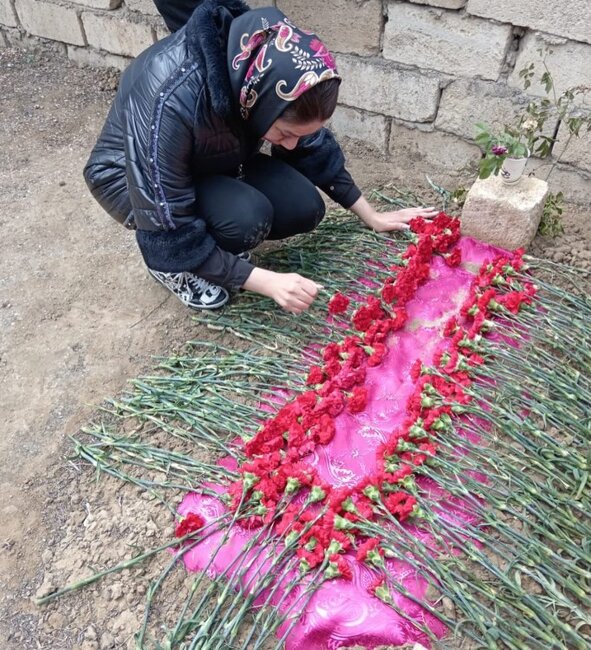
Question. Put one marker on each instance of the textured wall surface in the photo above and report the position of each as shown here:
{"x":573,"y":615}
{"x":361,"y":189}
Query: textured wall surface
{"x":417,"y":74}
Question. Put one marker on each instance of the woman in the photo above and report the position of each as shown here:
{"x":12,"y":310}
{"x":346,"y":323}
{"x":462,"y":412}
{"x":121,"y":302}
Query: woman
{"x":178,"y":157}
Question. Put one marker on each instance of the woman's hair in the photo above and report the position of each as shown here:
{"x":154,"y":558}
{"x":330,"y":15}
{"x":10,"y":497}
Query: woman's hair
{"x":318,"y":103}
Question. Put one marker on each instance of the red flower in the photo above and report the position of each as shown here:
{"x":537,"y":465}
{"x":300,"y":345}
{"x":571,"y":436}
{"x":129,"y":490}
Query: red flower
{"x":189,"y":524}
{"x":315,"y":376}
{"x":415,"y":370}
{"x":332,"y":368}
{"x":389,"y":293}
{"x":324,"y":431}
{"x":343,"y":566}
{"x":332,"y":352}
{"x":358,"y":400}
{"x":400,"y":504}
{"x":454,"y":258}
{"x":338,"y":304}
{"x":399,"y":319}
{"x":378,"y":354}
{"x":348,"y":379}
{"x":332,"y":404}
{"x":367,"y":546}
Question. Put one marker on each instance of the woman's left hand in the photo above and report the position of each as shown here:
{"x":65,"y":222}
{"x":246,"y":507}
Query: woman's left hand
{"x":397,"y":219}
{"x":386,"y":221}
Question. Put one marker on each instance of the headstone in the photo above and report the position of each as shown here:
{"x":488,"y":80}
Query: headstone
{"x":504,"y":215}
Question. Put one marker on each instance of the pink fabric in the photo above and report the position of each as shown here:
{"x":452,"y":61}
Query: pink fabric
{"x":344,"y":613}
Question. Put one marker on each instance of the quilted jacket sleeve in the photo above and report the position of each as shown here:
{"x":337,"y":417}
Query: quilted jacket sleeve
{"x":320,"y":159}
{"x":159,"y":150}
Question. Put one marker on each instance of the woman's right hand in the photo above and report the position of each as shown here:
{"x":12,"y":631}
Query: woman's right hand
{"x":291,"y":291}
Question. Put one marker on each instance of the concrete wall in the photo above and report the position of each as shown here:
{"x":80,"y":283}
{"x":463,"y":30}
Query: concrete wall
{"x":417,"y":73}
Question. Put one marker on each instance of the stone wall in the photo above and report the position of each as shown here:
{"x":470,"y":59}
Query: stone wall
{"x":417,"y":73}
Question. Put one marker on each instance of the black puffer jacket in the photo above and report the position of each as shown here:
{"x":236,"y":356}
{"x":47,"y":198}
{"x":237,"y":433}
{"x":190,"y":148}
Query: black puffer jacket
{"x":174,"y":118}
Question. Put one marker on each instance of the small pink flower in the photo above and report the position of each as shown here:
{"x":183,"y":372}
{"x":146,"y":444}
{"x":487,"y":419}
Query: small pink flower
{"x":499,"y":150}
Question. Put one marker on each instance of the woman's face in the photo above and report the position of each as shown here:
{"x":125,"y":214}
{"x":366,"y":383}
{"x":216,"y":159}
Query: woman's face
{"x":286,"y":134}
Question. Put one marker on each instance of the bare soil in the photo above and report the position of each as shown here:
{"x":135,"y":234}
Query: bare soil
{"x":78,"y":317}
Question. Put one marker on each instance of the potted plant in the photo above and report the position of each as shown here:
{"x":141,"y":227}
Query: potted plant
{"x":506,"y":152}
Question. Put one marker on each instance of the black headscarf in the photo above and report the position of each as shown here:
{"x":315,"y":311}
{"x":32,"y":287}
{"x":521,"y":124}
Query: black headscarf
{"x":271,"y":63}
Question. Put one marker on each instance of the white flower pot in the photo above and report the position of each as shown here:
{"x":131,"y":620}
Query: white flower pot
{"x":512,"y":169}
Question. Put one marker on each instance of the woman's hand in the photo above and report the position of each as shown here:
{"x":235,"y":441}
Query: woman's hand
{"x":392,"y":220}
{"x":398,"y":219}
{"x":291,"y":291}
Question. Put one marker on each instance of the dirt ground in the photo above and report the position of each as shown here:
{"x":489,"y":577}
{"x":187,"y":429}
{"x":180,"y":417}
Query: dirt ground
{"x":78,"y":317}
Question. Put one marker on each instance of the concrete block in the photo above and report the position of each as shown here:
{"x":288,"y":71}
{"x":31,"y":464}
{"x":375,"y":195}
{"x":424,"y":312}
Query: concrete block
{"x":465,"y":102}
{"x":569,"y":19}
{"x":445,"y":41}
{"x":257,"y":4}
{"x":574,"y":183}
{"x":568,"y":62}
{"x":100,"y":4}
{"x":86,"y":56}
{"x":574,"y":150}
{"x":504,"y":215}
{"x":344,"y":25}
{"x":161,"y":32}
{"x":7,"y":14}
{"x":146,"y":7}
{"x":53,"y":21}
{"x":431,"y":152}
{"x":116,"y":33}
{"x":370,"y":130}
{"x":377,"y":86}
{"x":446,"y":4}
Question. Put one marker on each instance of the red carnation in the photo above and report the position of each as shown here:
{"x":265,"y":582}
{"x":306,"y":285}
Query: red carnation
{"x":332,"y":352}
{"x":189,"y":524}
{"x":454,"y":258}
{"x":379,"y":352}
{"x":415,"y":370}
{"x":358,"y":400}
{"x":400,"y":504}
{"x":367,"y":546}
{"x":315,"y":376}
{"x":338,"y":304}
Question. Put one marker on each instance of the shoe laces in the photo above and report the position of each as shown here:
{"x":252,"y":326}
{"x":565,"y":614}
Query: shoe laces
{"x":199,"y":284}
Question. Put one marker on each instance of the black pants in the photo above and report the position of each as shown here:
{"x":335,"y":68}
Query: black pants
{"x":272,"y":201}
{"x":176,"y":12}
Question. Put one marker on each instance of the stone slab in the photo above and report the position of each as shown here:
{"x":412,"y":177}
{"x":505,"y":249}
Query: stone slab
{"x":574,"y":150}
{"x":432,"y":152}
{"x":445,"y":4}
{"x":467,"y":101}
{"x":370,"y":130}
{"x":146,"y":7}
{"x":569,"y":64}
{"x":56,"y":22}
{"x":100,"y":4}
{"x":379,"y":87}
{"x":574,"y":183}
{"x":445,"y":41}
{"x":86,"y":56}
{"x":570,"y":19}
{"x":504,"y":215}
{"x":344,"y":25}
{"x":115,"y":33}
{"x":7,"y":14}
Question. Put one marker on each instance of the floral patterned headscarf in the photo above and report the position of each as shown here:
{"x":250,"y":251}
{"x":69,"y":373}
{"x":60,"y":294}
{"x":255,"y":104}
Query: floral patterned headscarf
{"x":271,"y":63}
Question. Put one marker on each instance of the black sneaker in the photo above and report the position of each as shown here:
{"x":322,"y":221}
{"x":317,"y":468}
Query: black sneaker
{"x":191,"y":290}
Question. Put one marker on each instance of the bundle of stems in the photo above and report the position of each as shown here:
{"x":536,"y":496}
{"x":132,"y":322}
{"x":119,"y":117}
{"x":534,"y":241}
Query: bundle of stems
{"x":510,"y":535}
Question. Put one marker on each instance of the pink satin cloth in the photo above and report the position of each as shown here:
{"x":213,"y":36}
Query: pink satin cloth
{"x":344,"y":613}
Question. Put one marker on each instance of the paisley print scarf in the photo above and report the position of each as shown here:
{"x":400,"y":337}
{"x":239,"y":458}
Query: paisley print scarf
{"x":271,"y":63}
